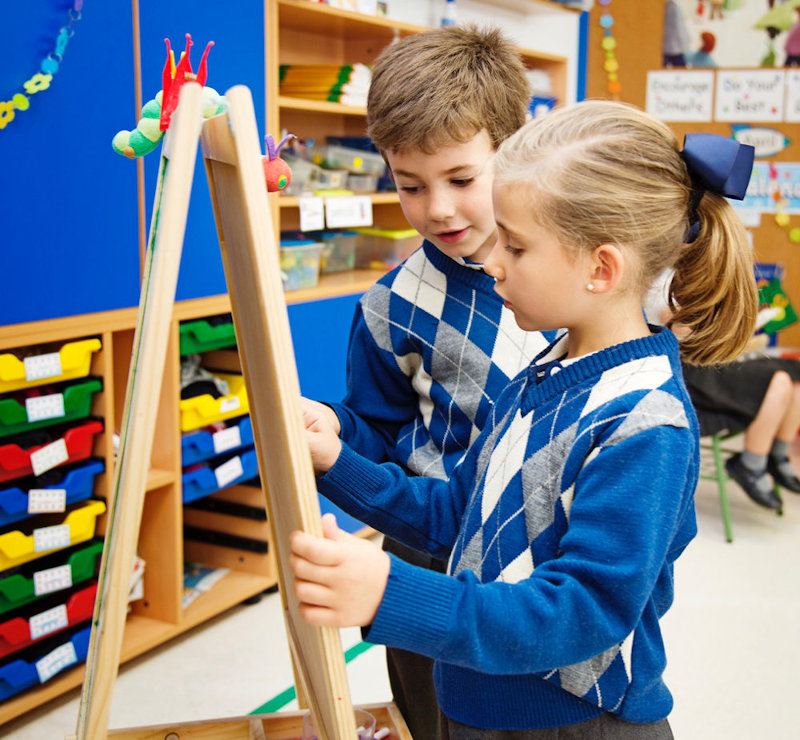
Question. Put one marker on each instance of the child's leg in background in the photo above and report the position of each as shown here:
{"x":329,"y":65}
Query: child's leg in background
{"x":410,"y":674}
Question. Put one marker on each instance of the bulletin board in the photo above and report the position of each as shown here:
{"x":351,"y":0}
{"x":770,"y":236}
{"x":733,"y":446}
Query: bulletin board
{"x":738,"y":99}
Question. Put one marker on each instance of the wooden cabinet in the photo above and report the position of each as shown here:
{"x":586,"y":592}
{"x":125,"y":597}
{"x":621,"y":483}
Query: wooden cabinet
{"x":302,"y":32}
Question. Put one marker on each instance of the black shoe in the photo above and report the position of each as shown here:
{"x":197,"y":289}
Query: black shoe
{"x":748,"y":480}
{"x":790,"y":482}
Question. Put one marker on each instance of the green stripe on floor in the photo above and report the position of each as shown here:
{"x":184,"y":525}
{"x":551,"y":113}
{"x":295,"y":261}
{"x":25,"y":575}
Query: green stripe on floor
{"x":289,"y":695}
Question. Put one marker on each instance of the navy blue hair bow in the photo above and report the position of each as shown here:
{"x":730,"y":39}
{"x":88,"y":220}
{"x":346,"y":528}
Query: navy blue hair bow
{"x":718,"y":164}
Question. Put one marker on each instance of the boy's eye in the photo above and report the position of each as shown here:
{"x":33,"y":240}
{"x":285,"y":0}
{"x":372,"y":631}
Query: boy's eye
{"x":410,"y":188}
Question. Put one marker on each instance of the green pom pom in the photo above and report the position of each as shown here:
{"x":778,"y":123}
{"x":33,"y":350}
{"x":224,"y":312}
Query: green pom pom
{"x":148,"y":127}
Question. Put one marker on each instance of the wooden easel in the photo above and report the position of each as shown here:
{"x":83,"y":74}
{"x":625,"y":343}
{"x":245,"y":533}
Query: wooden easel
{"x":232,"y":152}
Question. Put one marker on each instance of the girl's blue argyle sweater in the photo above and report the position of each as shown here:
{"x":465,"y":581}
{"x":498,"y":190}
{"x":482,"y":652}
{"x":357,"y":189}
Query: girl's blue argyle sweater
{"x":562,"y":524}
{"x":431,"y":348}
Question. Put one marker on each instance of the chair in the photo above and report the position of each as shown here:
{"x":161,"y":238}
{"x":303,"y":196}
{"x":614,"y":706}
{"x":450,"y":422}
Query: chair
{"x":715,"y":444}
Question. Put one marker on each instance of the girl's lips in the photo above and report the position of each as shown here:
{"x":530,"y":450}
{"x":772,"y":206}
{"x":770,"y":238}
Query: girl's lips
{"x":452,"y":237}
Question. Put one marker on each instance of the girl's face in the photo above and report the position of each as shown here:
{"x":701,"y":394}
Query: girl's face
{"x":446,"y":196}
{"x":543,"y":283}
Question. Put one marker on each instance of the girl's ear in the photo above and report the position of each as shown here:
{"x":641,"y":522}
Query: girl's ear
{"x":607,"y":266}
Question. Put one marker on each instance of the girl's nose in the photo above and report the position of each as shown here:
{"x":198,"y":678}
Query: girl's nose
{"x":491,"y":265}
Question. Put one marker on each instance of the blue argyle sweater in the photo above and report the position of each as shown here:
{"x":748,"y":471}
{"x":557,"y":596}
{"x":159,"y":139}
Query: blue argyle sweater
{"x":562,"y":525}
{"x":431,"y":348}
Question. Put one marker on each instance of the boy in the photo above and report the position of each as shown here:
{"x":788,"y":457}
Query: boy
{"x":431,"y":344}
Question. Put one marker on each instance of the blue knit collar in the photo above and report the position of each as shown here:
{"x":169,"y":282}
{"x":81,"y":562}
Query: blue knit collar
{"x":547,"y":377}
{"x":477,"y":279}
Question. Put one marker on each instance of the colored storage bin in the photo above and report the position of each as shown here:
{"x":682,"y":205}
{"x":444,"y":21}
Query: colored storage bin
{"x":357,"y":161}
{"x":200,"y":411}
{"x":78,"y":442}
{"x":202,"y":336}
{"x":75,"y":403}
{"x":78,"y":484}
{"x":339,"y":251}
{"x":305,"y":175}
{"x":78,"y":525}
{"x":219,"y":473}
{"x":51,"y":657}
{"x":300,"y":260}
{"x":19,"y":632}
{"x":205,"y":444}
{"x":73,"y":360}
{"x":377,"y":248}
{"x":50,"y":574}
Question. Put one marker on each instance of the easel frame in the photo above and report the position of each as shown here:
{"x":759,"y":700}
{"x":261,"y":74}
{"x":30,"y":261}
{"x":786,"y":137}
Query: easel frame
{"x":232,"y":153}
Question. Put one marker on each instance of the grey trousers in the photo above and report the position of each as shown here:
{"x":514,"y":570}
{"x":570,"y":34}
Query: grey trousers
{"x":604,"y":727}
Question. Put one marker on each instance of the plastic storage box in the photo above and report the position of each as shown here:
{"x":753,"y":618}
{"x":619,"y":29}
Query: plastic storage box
{"x":385,"y":247}
{"x":73,"y":360}
{"x":305,"y":175}
{"x":200,"y":411}
{"x":357,"y":161}
{"x":203,"y":335}
{"x":300,"y":260}
{"x":339,"y":252}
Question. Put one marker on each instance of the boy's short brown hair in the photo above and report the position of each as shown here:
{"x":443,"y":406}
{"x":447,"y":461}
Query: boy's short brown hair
{"x":443,"y":86}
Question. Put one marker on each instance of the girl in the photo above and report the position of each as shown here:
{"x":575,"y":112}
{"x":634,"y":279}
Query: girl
{"x":564,"y":518}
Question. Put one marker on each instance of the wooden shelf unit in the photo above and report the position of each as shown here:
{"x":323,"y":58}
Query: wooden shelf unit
{"x":159,"y":616}
{"x":298,"y":31}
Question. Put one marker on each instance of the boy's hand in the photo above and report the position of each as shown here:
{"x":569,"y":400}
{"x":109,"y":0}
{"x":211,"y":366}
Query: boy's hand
{"x":322,"y":433}
{"x":339,"y":579}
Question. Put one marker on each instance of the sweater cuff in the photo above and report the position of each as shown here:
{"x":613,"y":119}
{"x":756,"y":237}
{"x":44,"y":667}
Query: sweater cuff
{"x":415,"y":611}
{"x":350,"y":467}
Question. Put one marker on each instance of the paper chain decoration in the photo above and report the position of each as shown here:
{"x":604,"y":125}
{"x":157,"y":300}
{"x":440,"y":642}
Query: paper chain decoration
{"x":42,"y":79}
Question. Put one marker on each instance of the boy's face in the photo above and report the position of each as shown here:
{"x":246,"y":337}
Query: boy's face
{"x":542,"y":282}
{"x":447,"y":196}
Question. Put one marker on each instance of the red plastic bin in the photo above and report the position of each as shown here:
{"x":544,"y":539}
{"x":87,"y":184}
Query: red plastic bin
{"x":15,"y":634}
{"x":15,"y":462}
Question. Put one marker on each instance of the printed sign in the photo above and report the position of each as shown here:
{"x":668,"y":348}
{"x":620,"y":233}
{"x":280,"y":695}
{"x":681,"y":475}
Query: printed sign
{"x":680,"y":96}
{"x":792,"y":113}
{"x":749,"y":95}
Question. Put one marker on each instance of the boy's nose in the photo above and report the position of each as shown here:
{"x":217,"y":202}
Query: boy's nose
{"x":440,"y":207}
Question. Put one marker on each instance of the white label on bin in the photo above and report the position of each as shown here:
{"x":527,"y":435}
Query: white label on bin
{"x":49,"y":621}
{"x":51,"y":538}
{"x":49,"y":456}
{"x":45,"y":407}
{"x":47,"y":500}
{"x":231,"y":403}
{"x":229,"y":471}
{"x":42,"y":366}
{"x":312,"y":213}
{"x":52,"y":579}
{"x":226,"y":439}
{"x":348,"y":210}
{"x":57,"y":660}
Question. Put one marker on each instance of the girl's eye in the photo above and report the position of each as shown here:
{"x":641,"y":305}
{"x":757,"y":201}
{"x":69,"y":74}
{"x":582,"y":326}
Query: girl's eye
{"x":463,"y":182}
{"x":513,"y":251}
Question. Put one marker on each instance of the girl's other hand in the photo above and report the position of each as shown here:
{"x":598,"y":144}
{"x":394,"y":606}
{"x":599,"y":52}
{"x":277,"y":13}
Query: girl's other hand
{"x":339,"y":579}
{"x":322,"y":433}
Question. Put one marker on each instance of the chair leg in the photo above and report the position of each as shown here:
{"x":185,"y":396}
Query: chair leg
{"x":722,"y":480}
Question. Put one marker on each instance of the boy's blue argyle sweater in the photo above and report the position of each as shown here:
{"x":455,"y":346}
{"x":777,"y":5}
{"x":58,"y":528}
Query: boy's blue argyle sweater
{"x":431,"y":348}
{"x":562,"y":524}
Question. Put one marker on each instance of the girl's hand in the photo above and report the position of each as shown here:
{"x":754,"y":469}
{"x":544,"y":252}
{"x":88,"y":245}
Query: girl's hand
{"x":339,"y":579}
{"x":322,"y":433}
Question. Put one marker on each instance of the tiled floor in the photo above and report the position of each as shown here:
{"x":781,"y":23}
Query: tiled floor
{"x":733,"y":643}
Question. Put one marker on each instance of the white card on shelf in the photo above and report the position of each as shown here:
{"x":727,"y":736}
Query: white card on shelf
{"x":47,"y":500}
{"x":52,"y":579}
{"x":56,"y":660}
{"x":231,"y":403}
{"x":348,"y":210}
{"x":51,"y":538}
{"x":227,"y":439}
{"x":45,"y":407}
{"x":48,"y":621}
{"x":229,"y":471}
{"x":312,"y":213}
{"x":49,"y":456}
{"x":42,"y":366}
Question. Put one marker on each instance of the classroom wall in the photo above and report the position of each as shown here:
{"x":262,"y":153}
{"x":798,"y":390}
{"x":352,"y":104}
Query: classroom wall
{"x":638,"y":28}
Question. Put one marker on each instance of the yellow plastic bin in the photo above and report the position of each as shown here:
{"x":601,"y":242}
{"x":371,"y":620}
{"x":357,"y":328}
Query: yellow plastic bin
{"x":385,"y":247}
{"x":201,"y":411}
{"x":73,"y":360}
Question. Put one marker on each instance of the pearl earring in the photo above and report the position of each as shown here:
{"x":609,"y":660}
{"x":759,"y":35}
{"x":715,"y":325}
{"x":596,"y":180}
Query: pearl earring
{"x":590,"y":287}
